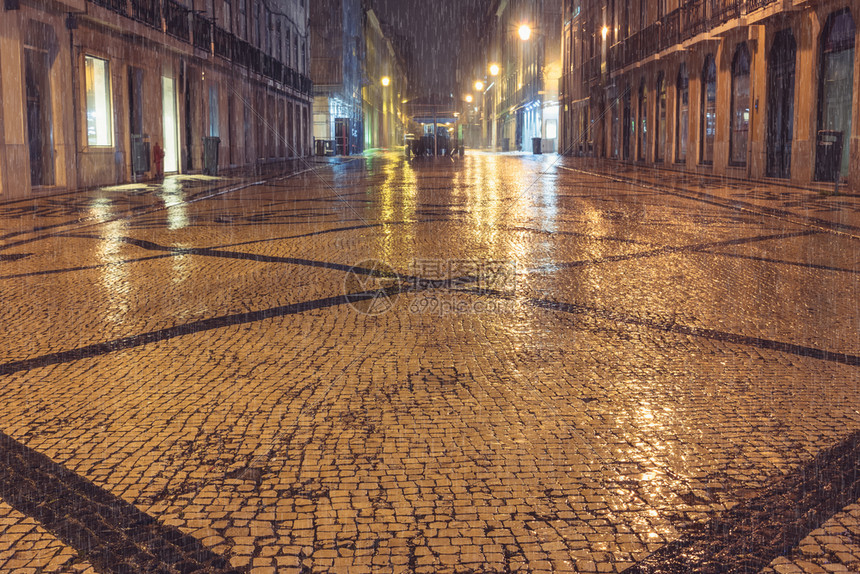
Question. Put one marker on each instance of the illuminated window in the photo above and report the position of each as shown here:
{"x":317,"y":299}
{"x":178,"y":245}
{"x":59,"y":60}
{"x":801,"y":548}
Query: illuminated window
{"x":98,"y":102}
{"x":709,"y":110}
{"x":740,"y":106}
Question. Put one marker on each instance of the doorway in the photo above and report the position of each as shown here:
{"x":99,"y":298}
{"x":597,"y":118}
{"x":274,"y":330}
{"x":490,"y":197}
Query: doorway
{"x":835,"y":89}
{"x":40,"y":133}
{"x":780,"y":104}
{"x":169,"y":123}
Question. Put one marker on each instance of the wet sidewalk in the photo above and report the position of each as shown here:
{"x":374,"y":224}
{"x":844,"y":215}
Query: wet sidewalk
{"x":813,"y":205}
{"x":40,"y":214}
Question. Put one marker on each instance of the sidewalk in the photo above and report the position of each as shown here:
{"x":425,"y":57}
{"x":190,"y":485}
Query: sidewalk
{"x":42,"y":213}
{"x":814,"y":205}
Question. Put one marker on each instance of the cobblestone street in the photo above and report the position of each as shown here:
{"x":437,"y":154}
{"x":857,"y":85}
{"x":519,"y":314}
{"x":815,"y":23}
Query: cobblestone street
{"x":501,"y":363}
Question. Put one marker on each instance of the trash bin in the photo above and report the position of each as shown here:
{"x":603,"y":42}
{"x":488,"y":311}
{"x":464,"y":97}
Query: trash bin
{"x":210,"y":155}
{"x":139,"y":154}
{"x":828,"y":155}
{"x":320,"y":147}
{"x":506,"y":144}
{"x":536,"y":146}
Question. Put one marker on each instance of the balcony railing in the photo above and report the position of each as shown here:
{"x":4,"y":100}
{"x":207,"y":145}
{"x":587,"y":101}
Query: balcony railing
{"x":670,"y":29}
{"x":176,"y":20}
{"x":222,"y":43}
{"x":120,"y":6}
{"x":724,"y":10}
{"x":147,"y":11}
{"x":694,"y":20}
{"x":202,"y":32}
{"x":756,"y":4}
{"x":179,"y":22}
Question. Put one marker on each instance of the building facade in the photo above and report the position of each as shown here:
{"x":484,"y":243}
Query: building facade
{"x":742,"y":88}
{"x":521,"y":93}
{"x":337,"y":53}
{"x":91,"y":87}
{"x":384,"y":88}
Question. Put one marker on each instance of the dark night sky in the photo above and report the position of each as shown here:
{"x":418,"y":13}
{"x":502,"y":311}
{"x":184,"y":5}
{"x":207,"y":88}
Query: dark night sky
{"x":435,"y":30}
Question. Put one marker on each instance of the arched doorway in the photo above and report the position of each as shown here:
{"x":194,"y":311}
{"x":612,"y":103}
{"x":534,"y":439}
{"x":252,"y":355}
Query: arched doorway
{"x":835,"y":86}
{"x":660,"y":145}
{"x":682,"y":115}
{"x":708,"y":111}
{"x":780,"y":104}
{"x":740,"y":108}
{"x":643,"y":122}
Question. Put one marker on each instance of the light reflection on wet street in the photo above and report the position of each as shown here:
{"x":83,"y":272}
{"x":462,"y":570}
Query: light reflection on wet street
{"x":566,"y":373}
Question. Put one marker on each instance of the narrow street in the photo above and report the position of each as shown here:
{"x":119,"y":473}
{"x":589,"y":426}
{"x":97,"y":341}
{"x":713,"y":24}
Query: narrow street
{"x":500,"y":363}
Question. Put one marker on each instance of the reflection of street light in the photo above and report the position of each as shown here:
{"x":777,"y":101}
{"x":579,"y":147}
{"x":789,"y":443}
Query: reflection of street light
{"x":525,"y":32}
{"x":494,"y":69}
{"x":469,"y":98}
{"x":386,"y":81}
{"x":479,"y":86}
{"x":605,"y":32}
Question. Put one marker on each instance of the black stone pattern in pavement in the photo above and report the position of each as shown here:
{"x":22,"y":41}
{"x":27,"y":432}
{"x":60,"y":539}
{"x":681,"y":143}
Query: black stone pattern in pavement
{"x":748,"y":537}
{"x":111,"y":534}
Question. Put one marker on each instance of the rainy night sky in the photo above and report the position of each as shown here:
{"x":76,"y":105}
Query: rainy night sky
{"x":433,"y":30}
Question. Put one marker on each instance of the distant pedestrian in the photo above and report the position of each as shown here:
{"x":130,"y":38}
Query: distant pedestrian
{"x":158,"y":160}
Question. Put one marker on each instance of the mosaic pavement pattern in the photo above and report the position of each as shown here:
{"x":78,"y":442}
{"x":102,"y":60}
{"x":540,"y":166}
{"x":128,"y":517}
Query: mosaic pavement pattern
{"x":495,"y":364}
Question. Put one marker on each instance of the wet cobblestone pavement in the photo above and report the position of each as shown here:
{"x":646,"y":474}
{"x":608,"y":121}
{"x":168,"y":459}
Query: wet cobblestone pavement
{"x":499,"y":364}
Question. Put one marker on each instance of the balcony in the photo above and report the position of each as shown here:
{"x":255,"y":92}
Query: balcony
{"x":694,"y":19}
{"x":222,"y":42}
{"x":202,"y":33}
{"x":147,"y":11}
{"x":670,"y":29}
{"x":119,"y":6}
{"x":179,"y":22}
{"x":649,"y":41}
{"x":176,"y":18}
{"x":724,"y":10}
{"x":757,"y":4}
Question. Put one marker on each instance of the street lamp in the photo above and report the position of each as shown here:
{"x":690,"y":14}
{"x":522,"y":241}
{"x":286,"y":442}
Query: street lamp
{"x":479,"y":86}
{"x":494,"y":69}
{"x":469,"y":98}
{"x":525,"y":32}
{"x":386,"y":81}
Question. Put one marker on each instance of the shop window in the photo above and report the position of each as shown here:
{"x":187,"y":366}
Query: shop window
{"x":740,"y":118}
{"x":682,"y":115}
{"x":709,"y":110}
{"x":643,"y":122}
{"x":97,"y":72}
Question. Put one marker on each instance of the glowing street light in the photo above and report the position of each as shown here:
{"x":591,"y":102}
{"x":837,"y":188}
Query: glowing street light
{"x":479,"y":86}
{"x":605,"y":32}
{"x":494,"y":69}
{"x":469,"y":98}
{"x":386,"y":81}
{"x":525,"y":32}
